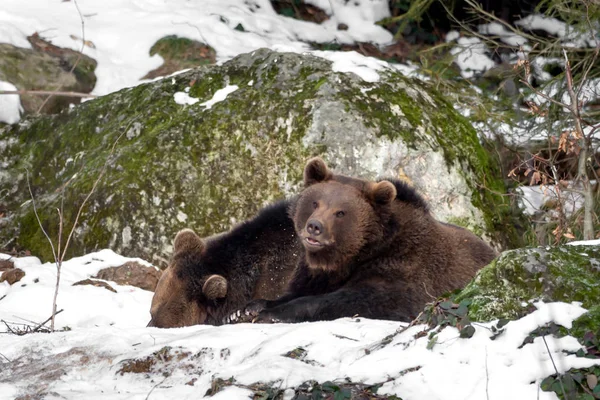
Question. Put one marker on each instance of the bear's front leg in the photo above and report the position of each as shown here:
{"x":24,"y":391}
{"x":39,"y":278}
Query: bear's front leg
{"x":297,"y":310}
{"x":364,"y":301}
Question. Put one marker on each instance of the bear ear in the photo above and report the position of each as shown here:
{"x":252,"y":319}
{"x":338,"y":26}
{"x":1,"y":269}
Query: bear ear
{"x":383,"y":192}
{"x":215,"y":287}
{"x":187,"y":241}
{"x":316,"y":171}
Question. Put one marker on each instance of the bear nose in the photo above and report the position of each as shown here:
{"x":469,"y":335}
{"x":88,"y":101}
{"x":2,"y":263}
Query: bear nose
{"x":314,"y":227}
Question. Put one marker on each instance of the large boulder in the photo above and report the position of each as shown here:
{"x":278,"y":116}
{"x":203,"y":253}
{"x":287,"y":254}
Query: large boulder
{"x":46,"y":67}
{"x":183,"y":159}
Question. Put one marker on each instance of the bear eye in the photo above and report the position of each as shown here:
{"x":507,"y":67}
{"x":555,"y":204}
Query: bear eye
{"x":315,"y":205}
{"x":340,"y":214}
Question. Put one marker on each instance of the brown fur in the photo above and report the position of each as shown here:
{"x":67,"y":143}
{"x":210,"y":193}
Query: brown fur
{"x":379,"y":258}
{"x":209,"y":279}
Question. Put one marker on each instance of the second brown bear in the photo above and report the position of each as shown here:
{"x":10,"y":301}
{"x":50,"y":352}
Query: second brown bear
{"x":372,"y":250}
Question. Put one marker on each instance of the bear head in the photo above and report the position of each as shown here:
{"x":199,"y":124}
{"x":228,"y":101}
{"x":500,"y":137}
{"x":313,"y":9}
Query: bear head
{"x":174,"y":303}
{"x":337,"y":220}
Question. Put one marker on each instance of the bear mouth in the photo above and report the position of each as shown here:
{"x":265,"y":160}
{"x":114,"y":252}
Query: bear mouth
{"x":312,"y":242}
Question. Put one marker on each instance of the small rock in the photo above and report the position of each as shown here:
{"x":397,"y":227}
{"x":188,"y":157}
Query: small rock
{"x":5,"y":265}
{"x":342,"y":27}
{"x":12,"y":276}
{"x":95,"y":283}
{"x":132,"y":273}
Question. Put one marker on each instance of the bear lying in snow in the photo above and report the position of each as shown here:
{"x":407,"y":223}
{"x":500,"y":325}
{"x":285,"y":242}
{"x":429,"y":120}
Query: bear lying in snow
{"x":208,"y":279}
{"x":371,"y":249}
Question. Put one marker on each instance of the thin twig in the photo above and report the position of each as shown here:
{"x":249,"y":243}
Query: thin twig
{"x":91,"y":192}
{"x":38,"y":217}
{"x":155,"y":386}
{"x":37,"y":328}
{"x":46,"y":92}
{"x":6,"y":358}
{"x":555,"y":369}
{"x":487,"y":376}
{"x":544,"y":95}
{"x":60,"y":85}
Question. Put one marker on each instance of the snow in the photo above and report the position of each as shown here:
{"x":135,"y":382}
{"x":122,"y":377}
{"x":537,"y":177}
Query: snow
{"x":471,"y":56}
{"x":31,"y":298}
{"x":534,"y":198}
{"x":540,"y":22}
{"x":184,"y":98}
{"x":452,"y":36}
{"x":10,"y":104}
{"x":503,"y":33}
{"x":122,"y":31}
{"x":108,"y":329}
{"x":219,"y":96}
{"x":555,"y":27}
{"x":585,"y":243}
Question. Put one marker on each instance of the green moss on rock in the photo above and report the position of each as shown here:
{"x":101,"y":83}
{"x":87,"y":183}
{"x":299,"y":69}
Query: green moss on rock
{"x":507,"y":287}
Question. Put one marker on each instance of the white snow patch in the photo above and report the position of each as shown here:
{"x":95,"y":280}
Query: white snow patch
{"x":534,"y":198}
{"x":181,"y":216}
{"x":10,"y":104}
{"x":470,"y":54}
{"x":505,"y":35}
{"x":219,"y":96}
{"x":184,"y":99}
{"x":541,"y":22}
{"x":452,"y":35}
{"x":585,"y":243}
{"x":84,"y":306}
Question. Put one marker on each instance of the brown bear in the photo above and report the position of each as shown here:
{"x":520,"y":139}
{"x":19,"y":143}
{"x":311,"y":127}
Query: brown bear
{"x":371,"y":249}
{"x":254,"y":260}
{"x":208,"y":279}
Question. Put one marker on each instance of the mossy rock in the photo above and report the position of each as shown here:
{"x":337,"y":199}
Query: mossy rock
{"x":180,"y":53}
{"x":46,"y":67}
{"x":177,"y":166}
{"x":507,"y":287}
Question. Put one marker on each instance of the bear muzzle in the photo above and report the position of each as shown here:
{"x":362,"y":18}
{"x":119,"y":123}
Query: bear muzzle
{"x":314,"y":236}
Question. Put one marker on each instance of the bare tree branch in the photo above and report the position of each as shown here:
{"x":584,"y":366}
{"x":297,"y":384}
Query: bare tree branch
{"x":46,"y":92}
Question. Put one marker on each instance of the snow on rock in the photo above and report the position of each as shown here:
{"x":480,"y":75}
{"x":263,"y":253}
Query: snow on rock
{"x":184,"y":98}
{"x":219,"y":96}
{"x":10,"y":104}
{"x":120,"y":33}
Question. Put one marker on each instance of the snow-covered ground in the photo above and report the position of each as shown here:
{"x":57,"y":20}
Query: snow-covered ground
{"x":119,"y":33}
{"x":107,"y":333}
